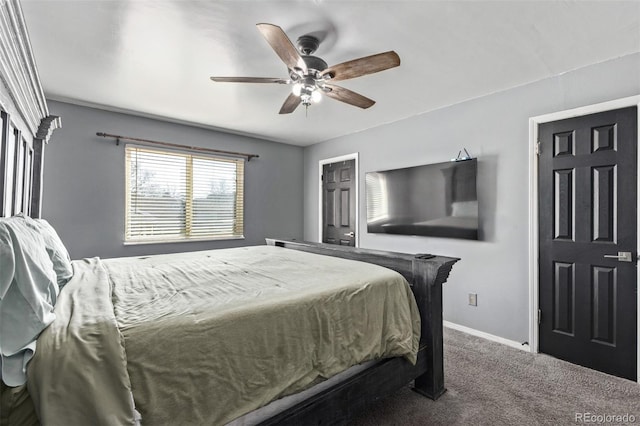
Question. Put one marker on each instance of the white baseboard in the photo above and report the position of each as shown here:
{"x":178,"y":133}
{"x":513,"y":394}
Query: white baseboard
{"x":474,"y":332}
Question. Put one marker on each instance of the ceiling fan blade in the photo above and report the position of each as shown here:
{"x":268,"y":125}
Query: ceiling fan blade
{"x":363,"y":66}
{"x":279,"y":42}
{"x":249,"y":80}
{"x":347,"y":96}
{"x":290,"y":104}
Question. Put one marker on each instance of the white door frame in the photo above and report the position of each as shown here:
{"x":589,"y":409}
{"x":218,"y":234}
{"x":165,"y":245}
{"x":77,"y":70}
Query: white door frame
{"x":533,"y":205}
{"x":353,"y":156}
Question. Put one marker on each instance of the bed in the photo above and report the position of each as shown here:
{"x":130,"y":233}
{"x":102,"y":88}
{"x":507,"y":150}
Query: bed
{"x":217,"y":335}
{"x":95,"y":348}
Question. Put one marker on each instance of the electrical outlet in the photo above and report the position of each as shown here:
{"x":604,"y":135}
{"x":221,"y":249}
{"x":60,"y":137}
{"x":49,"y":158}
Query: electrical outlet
{"x":473,"y":299}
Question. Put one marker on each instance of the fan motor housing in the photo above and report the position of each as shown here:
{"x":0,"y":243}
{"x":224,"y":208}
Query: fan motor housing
{"x":307,"y":44}
{"x":314,"y":63}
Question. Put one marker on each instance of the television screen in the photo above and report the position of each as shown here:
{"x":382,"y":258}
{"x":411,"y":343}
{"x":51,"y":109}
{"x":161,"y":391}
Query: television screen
{"x":438,"y":200}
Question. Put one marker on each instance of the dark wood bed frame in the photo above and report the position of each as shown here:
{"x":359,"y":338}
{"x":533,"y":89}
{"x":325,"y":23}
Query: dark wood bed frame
{"x":25,"y":128}
{"x":339,"y":403}
{"x":25,"y":123}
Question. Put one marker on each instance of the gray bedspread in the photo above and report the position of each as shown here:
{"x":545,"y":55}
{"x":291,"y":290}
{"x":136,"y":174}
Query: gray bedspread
{"x":209,"y":336}
{"x":78,"y":375}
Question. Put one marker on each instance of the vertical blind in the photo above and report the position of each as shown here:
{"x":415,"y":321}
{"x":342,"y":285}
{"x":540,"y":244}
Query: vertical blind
{"x":174,"y":196}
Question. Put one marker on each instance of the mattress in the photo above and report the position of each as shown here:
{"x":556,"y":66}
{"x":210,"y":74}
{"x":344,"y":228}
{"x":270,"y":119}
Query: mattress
{"x":206,"y":337}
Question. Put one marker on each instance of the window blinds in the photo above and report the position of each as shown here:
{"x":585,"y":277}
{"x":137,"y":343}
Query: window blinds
{"x":180,"y":196}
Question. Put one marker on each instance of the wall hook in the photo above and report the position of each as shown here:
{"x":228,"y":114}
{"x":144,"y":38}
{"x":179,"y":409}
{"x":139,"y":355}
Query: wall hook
{"x":461,"y":157}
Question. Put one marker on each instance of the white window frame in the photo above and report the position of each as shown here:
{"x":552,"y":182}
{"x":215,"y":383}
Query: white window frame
{"x":179,"y":239}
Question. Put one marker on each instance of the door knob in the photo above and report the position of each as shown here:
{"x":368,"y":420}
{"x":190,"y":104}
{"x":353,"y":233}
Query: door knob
{"x":622,"y":256}
{"x":350,"y":234}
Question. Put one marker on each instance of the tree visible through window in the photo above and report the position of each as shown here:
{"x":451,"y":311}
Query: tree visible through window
{"x":179,"y":196}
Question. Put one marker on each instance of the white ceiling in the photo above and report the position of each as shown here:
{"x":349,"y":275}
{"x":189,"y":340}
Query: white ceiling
{"x":154,"y":58}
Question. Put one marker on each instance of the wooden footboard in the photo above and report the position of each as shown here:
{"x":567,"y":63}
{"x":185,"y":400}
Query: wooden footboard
{"x":425,"y":274}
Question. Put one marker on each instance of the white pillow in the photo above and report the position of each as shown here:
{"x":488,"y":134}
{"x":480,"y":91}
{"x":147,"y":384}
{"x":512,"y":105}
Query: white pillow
{"x":55,"y":248}
{"x":28,"y":293}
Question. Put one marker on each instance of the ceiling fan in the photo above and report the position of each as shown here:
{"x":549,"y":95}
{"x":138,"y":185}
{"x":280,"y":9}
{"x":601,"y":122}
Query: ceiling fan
{"x":310,"y":75}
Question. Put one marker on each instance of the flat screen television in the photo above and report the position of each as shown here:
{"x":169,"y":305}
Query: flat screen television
{"x":438,"y":200}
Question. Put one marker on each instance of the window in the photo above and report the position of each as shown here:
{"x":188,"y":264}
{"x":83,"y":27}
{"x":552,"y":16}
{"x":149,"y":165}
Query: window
{"x":174,"y":196}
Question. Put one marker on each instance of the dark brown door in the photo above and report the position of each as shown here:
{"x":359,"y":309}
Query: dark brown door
{"x":588,"y":216}
{"x":338,"y":203}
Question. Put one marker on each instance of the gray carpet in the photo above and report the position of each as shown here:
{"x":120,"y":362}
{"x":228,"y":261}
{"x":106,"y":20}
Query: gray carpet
{"x":493,"y":384}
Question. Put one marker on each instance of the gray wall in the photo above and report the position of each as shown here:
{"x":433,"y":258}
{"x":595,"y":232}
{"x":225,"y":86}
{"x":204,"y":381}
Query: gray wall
{"x":495,"y":129}
{"x":84,"y":185}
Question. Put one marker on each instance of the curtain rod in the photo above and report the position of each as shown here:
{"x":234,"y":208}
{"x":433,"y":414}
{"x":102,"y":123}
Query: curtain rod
{"x":175,"y":145}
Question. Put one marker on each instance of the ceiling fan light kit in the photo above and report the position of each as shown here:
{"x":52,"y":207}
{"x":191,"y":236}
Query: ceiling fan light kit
{"x":310,"y":74}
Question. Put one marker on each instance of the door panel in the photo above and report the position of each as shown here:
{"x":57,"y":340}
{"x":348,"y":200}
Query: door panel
{"x":603,"y":290}
{"x":604,"y":186}
{"x":588,"y":211}
{"x":345,"y":196}
{"x":329,"y":207}
{"x":563,"y":204}
{"x":338,"y":201}
{"x":564,"y":298}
